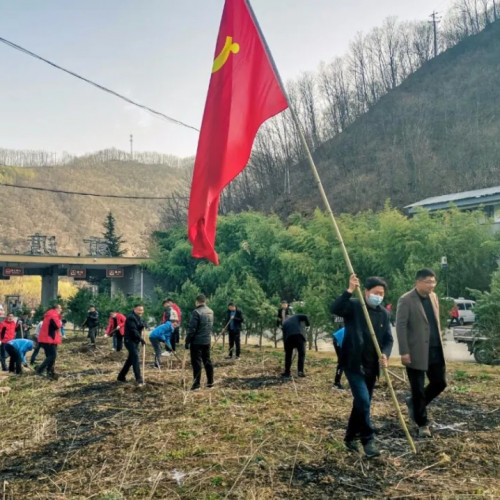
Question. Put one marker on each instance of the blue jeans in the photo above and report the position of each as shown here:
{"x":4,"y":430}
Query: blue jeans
{"x":359,"y":425}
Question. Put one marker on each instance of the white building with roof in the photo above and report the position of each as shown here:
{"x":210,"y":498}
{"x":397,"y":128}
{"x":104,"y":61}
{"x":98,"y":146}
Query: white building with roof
{"x":487,"y":199}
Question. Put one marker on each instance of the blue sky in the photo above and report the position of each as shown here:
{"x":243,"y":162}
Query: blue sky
{"x":157,"y":52}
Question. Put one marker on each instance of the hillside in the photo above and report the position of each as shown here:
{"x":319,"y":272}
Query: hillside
{"x":73,"y":218}
{"x":436,"y":133}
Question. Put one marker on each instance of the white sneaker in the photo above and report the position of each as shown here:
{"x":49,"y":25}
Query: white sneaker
{"x":166,"y":353}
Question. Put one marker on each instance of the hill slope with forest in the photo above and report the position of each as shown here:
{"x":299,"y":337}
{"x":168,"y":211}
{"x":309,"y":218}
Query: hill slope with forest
{"x":74,"y":218}
{"x":436,"y":133}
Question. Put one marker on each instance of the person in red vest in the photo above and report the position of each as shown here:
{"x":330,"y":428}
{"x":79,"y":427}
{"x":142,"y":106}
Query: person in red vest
{"x":49,"y":338}
{"x":454,"y":315}
{"x":116,"y":329}
{"x":172,"y":312}
{"x":7,"y":333}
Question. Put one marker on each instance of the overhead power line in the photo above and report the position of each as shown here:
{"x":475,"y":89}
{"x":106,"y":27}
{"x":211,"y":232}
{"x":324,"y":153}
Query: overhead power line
{"x":78,"y":193}
{"x":101,"y":87}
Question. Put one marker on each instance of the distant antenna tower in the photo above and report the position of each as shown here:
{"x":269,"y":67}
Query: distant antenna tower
{"x":435,"y":22}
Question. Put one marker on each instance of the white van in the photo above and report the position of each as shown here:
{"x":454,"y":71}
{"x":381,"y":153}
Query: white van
{"x":466,"y":312}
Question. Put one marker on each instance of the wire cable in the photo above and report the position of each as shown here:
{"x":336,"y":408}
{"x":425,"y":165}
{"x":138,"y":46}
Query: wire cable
{"x":101,"y":87}
{"x":78,"y":193}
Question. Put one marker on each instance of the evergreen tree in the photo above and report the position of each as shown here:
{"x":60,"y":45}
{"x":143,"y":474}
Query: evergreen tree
{"x":114,"y":241}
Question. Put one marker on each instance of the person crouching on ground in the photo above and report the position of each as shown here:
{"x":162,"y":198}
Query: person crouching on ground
{"x":17,"y":350}
{"x":359,"y":356}
{"x":162,"y":333}
{"x":134,"y":326}
{"x":198,"y":341}
{"x":294,"y":337}
{"x":49,"y":338}
{"x":338,"y":338}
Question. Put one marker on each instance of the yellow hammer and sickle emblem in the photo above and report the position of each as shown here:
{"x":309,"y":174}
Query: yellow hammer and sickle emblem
{"x":222,"y":58}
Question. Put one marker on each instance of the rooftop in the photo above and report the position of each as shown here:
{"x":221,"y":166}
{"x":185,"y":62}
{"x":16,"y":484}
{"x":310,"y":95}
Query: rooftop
{"x":463,"y":200}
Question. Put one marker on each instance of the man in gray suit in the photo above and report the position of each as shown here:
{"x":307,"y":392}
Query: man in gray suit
{"x":420,"y":346}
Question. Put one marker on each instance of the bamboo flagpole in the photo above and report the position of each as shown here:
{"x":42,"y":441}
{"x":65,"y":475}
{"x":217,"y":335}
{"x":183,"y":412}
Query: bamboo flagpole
{"x":336,"y":230}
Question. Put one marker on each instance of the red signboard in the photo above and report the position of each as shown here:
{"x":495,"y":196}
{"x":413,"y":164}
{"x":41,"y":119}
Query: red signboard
{"x":115,"y":273}
{"x":78,"y":274}
{"x":13,"y":271}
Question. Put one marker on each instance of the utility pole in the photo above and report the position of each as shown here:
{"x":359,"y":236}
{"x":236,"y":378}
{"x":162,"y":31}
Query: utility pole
{"x":494,"y":10}
{"x":131,"y":147}
{"x":434,"y":21}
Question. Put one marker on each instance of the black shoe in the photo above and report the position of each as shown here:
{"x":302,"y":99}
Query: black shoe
{"x":53,"y":376}
{"x":210,"y":385}
{"x":353,"y":445}
{"x":338,"y":386}
{"x":121,"y":379}
{"x":424,"y":431}
{"x":409,"y":404}
{"x":139,"y":381}
{"x":371,"y":450}
{"x":195,"y":388}
{"x":301,"y":374}
{"x":285,"y":374}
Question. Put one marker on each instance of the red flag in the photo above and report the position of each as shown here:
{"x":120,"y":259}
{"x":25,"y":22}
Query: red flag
{"x":244,"y":92}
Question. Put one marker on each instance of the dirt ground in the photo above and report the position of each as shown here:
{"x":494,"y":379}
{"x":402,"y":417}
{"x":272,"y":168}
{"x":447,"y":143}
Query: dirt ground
{"x":253,"y":436}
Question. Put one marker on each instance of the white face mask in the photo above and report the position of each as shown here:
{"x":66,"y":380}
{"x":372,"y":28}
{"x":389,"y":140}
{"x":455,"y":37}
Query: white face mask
{"x":374,"y":300}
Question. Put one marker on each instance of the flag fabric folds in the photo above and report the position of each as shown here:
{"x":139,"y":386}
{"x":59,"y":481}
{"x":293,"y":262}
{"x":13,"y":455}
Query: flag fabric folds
{"x":244,"y":92}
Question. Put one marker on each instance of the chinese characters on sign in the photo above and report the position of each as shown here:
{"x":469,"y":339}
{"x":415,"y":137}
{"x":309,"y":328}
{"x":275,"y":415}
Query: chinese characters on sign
{"x":78,"y":274}
{"x":114,"y":273}
{"x":13,"y":271}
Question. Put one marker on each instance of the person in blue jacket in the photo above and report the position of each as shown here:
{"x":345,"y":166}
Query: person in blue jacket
{"x":338,"y":338}
{"x":17,"y":350}
{"x":162,"y":333}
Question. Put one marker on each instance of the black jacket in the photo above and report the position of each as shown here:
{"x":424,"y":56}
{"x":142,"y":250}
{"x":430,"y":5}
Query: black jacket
{"x":294,"y":325}
{"x":357,"y":335}
{"x":92,"y":319}
{"x":237,"y":321}
{"x":133,"y":328}
{"x":200,"y":325}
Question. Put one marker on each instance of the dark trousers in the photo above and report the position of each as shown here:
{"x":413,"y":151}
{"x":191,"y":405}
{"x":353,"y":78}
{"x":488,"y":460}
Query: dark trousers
{"x":175,"y":337}
{"x":422,"y":396}
{"x":234,"y":343}
{"x":3,"y":356}
{"x":50,"y":351}
{"x":339,"y":370}
{"x":295,"y":342}
{"x":92,"y":334}
{"x":16,"y":360}
{"x":200,"y":356}
{"x":359,"y":424}
{"x":454,"y":320}
{"x":117,"y":341}
{"x":131,"y":361}
{"x":35,"y":353}
{"x":157,"y":348}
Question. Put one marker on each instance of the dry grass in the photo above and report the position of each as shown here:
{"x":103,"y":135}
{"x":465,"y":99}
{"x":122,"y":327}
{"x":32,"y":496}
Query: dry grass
{"x":251,"y":437}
